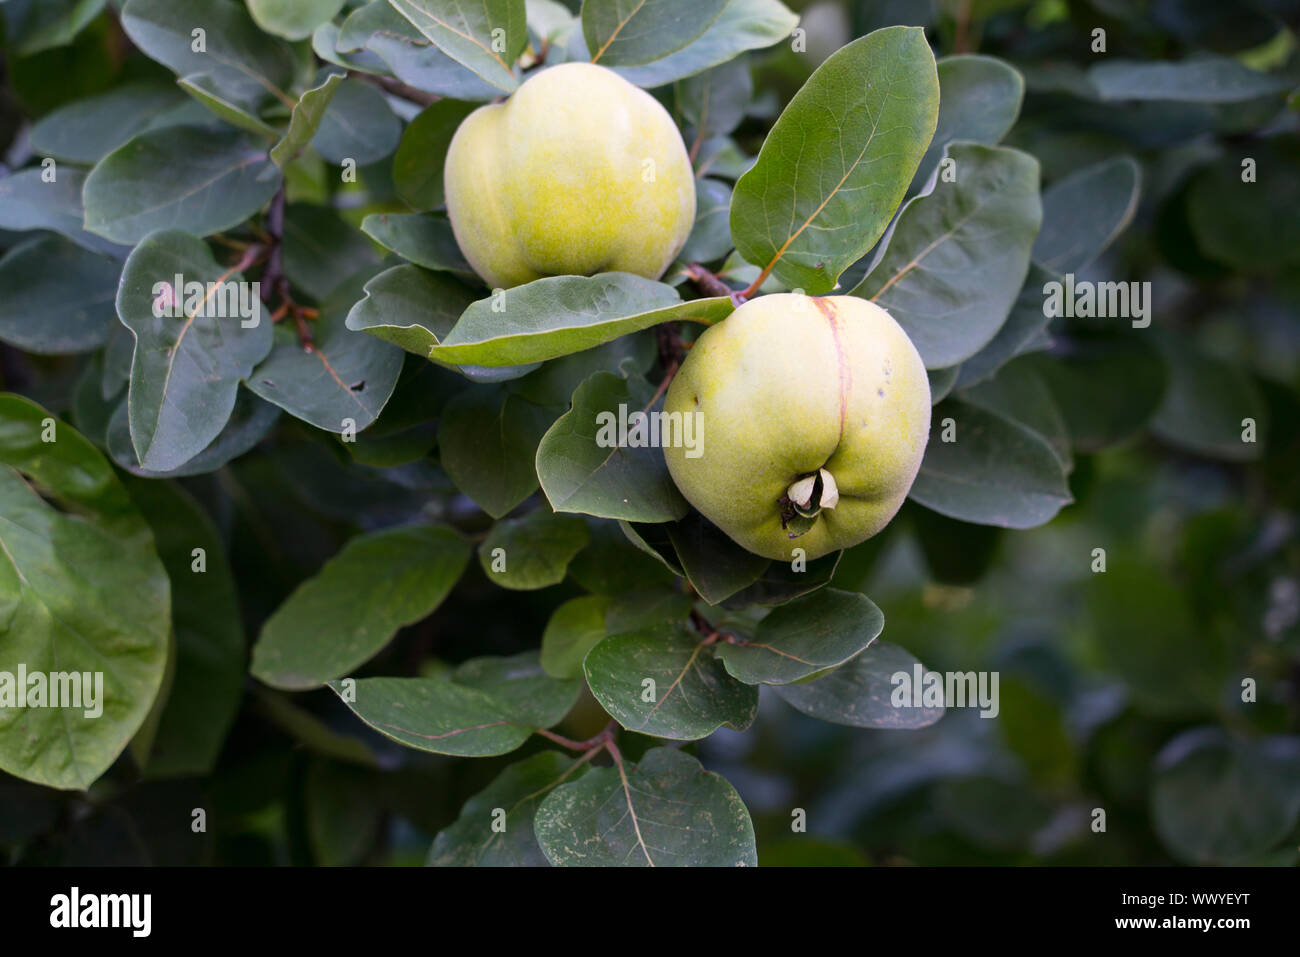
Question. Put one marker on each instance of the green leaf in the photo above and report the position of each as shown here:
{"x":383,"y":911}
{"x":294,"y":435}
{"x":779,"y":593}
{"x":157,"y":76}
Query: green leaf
{"x":531,"y":552}
{"x":488,"y":441}
{"x":81,"y":590}
{"x":1249,"y":226}
{"x":182,"y":177}
{"x":467,"y":31}
{"x":28,"y":202}
{"x":560,"y":315}
{"x":710,"y":238}
{"x":664,"y":682}
{"x":611,"y":564}
{"x":1223,"y":800}
{"x":1207,"y":403}
{"x":186,"y":369}
{"x":1025,"y":325}
{"x":486,"y":706}
{"x":475,"y":840}
{"x":357,"y":125}
{"x":243,"y":61}
{"x":1004,"y":466}
{"x":249,"y":423}
{"x":1208,"y":79}
{"x":742,"y":25}
{"x":715,"y":565}
{"x":1144,"y":629}
{"x":245,"y":116}
{"x":780,"y":582}
{"x":417,"y":167}
{"x":37,"y":26}
{"x":1085,"y":212}
{"x":378,"y":30}
{"x":803,"y":637}
{"x":1107,"y":385}
{"x":86,"y":130}
{"x":580,"y":624}
{"x":343,"y":817}
{"x":410,"y":307}
{"x":574,"y":629}
{"x":958,"y":255}
{"x":209,"y":677}
{"x":293,"y":19}
{"x":423,"y":239}
{"x":666,"y":810}
{"x":714,"y":102}
{"x":56,"y":298}
{"x":321,"y":249}
{"x":979,"y":101}
{"x":305,"y":120}
{"x":636,"y":32}
{"x":341,"y":618}
{"x":861,"y":693}
{"x":838,"y":161}
{"x":342,"y":382}
{"x":583,"y":467}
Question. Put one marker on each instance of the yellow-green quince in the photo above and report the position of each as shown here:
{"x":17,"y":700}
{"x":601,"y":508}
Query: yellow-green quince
{"x":812,"y":418}
{"x":578,"y":172}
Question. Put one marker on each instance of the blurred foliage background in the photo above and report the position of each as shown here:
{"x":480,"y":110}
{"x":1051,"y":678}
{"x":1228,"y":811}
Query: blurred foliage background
{"x":1120,"y":691}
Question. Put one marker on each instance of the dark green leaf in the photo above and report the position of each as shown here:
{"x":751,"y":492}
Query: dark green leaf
{"x":84,"y":131}
{"x":666,"y":811}
{"x":209,"y":677}
{"x":1222,"y":800}
{"x":560,"y":315}
{"x":636,"y":32}
{"x":664,"y":682}
{"x":305,"y":120}
{"x":181,"y":177}
{"x":861,"y":694}
{"x":979,"y":101}
{"x":423,"y":239}
{"x":532,"y":552}
{"x":743,"y":25}
{"x":242,"y":60}
{"x":417,"y":167}
{"x":27,"y":201}
{"x":341,"y":617}
{"x":474,"y":840}
{"x":186,"y":368}
{"x":486,"y":706}
{"x":82,"y":592}
{"x":55,"y":297}
{"x":1085,"y":212}
{"x":357,"y":125}
{"x":958,"y":254}
{"x":342,"y":382}
{"x":584,"y":465}
{"x":467,"y":31}
{"x":838,"y":161}
{"x":808,"y":635}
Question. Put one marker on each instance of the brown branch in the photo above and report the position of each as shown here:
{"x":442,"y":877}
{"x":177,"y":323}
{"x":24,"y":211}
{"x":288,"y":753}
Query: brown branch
{"x":707,"y":281}
{"x":396,"y":87}
{"x":274,"y":280}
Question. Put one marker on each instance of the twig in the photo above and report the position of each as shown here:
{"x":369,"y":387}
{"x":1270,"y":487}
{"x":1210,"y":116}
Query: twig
{"x":707,"y":281}
{"x":396,"y":87}
{"x":274,"y":280}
